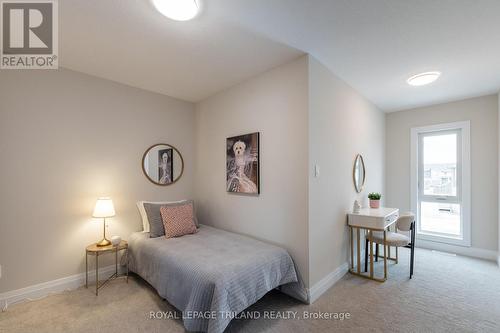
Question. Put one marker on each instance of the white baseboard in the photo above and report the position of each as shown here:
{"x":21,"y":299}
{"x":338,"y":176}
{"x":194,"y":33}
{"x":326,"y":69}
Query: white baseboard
{"x":327,"y":282}
{"x":55,"y":286}
{"x":460,"y":250}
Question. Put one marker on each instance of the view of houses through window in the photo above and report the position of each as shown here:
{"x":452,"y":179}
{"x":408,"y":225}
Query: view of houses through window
{"x":441,"y":212}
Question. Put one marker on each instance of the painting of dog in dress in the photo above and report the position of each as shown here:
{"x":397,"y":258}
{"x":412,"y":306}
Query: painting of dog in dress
{"x":242,"y":164}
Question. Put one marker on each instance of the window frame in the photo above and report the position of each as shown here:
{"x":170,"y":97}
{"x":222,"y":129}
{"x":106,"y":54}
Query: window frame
{"x":463,"y":176}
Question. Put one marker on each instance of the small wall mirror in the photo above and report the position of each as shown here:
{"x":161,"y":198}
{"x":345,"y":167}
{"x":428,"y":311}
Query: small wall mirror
{"x":162,"y":164}
{"x":359,"y":173}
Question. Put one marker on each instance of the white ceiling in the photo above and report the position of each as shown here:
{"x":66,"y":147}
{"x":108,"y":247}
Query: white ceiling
{"x":130,"y":42}
{"x":374,"y":45}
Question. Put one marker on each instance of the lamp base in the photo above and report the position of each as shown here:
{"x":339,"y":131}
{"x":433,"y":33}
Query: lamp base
{"x":104,"y":242}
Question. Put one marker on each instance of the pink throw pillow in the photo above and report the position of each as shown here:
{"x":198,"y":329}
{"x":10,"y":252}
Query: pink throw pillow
{"x":178,"y":220}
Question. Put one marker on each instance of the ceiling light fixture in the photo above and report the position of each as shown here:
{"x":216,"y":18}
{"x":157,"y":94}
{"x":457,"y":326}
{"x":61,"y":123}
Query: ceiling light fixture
{"x":423,"y":78}
{"x":178,"y":10}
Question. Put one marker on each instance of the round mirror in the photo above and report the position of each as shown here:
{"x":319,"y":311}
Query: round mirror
{"x":359,"y":173}
{"x":162,"y":164}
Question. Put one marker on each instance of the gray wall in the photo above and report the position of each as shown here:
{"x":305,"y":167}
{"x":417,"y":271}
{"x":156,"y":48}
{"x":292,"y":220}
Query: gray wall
{"x":66,"y":139}
{"x":483,"y":115}
{"x":341,"y":124}
{"x":274,"y":104}
{"x":306,"y":116}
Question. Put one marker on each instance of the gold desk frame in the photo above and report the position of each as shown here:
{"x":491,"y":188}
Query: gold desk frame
{"x":356,"y":269}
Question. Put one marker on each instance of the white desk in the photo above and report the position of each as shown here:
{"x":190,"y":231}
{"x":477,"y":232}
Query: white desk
{"x":370,"y":219}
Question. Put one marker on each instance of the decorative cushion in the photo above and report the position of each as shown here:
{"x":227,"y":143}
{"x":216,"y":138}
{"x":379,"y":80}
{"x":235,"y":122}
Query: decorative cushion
{"x":178,"y":220}
{"x":154,"y":218}
{"x":150,"y":215}
{"x":392,"y":238}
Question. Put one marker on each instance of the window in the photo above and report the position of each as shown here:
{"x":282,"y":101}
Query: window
{"x":441,"y":182}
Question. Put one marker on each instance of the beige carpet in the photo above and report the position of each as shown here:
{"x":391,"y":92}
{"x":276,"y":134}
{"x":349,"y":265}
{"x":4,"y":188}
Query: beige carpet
{"x":447,"y":294}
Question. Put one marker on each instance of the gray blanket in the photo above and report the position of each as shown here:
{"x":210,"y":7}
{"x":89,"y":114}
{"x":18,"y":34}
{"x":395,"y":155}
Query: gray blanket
{"x":211,"y":275}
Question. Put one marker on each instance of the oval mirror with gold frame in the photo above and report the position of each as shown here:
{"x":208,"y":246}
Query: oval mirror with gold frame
{"x":359,"y":173}
{"x":162,"y":164}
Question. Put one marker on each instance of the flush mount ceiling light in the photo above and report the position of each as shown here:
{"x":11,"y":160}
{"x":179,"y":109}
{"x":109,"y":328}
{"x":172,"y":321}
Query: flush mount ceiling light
{"x":178,"y":10}
{"x":423,"y":78}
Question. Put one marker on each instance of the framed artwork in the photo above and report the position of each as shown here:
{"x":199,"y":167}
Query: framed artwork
{"x":242,"y":164}
{"x":165,"y":166}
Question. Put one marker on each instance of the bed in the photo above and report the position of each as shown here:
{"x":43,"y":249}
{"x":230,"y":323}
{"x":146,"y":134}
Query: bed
{"x":212,"y":275}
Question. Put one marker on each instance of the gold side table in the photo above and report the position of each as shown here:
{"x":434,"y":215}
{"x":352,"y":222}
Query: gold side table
{"x":97,"y":251}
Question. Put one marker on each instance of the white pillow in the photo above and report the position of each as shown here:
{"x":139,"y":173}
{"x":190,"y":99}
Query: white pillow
{"x":144,"y":216}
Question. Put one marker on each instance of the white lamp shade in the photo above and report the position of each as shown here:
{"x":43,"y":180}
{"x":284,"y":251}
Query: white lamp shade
{"x":104,"y":208}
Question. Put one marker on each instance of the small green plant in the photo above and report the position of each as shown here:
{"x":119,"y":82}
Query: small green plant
{"x":374,"y":196}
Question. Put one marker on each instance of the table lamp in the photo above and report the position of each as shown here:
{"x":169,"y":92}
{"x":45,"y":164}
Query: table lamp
{"x":104,"y":208}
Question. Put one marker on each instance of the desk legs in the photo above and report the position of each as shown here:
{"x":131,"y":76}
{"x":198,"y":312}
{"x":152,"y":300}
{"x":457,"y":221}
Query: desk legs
{"x":351,"y":240}
{"x":385,"y":255}
{"x":371,"y":257}
{"x":357,"y":270}
{"x":358,"y":237}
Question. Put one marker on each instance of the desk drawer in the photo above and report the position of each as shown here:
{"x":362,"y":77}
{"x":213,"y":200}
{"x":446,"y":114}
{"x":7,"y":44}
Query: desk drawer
{"x":391,"y":218}
{"x":374,"y":219}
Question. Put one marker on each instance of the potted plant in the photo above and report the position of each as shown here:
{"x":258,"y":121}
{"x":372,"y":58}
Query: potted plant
{"x":374,"y":199}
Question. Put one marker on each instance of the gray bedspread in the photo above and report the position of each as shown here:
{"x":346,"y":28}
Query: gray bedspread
{"x":212,"y":275}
